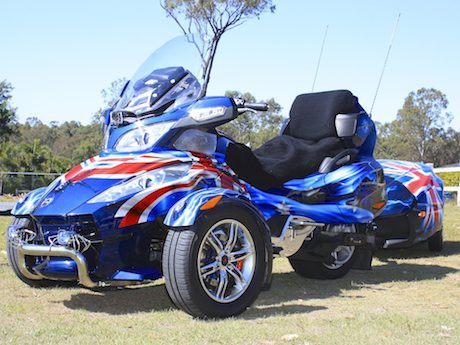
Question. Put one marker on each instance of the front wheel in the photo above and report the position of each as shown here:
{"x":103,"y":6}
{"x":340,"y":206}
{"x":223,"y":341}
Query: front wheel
{"x":215,"y":269}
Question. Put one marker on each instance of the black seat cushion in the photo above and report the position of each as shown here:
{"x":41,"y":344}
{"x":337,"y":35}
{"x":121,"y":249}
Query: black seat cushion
{"x":312,"y":115}
{"x":309,"y":138}
{"x":287,"y":158}
{"x":279,"y":160}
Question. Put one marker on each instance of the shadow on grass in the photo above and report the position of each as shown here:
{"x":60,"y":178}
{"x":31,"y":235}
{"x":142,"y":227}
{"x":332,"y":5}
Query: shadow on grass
{"x":122,"y":301}
{"x":418,"y":251}
{"x":290,"y":287}
{"x":287,"y":291}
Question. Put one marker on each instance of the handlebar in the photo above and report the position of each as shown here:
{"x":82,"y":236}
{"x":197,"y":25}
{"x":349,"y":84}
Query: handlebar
{"x":256,"y":106}
{"x":243,"y":106}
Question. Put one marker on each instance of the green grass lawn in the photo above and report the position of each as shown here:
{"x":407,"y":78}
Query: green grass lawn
{"x":410,"y":297}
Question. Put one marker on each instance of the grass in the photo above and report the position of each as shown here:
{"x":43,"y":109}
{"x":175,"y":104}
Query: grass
{"x":410,"y":297}
{"x":9,"y":198}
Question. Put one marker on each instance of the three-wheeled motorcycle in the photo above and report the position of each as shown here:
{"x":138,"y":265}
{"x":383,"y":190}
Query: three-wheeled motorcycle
{"x":172,"y":196}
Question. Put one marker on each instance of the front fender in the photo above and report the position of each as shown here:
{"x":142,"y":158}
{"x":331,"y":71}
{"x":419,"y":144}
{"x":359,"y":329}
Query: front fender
{"x":29,"y":203}
{"x":187,"y":210}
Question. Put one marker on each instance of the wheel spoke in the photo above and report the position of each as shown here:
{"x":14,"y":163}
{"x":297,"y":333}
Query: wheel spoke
{"x":226,"y":260}
{"x":232,"y":237}
{"x":222,"y":287}
{"x":237,"y":275}
{"x":241,"y":254}
{"x":209,"y":269}
{"x":334,"y":254}
{"x":215,"y":242}
{"x":345,"y":251}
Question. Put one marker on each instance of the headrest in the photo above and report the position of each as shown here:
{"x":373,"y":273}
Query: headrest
{"x":312,"y":115}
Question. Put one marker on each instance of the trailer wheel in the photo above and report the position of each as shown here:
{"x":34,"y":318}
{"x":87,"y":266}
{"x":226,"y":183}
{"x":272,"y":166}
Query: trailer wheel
{"x":216,"y":268}
{"x":435,"y":242}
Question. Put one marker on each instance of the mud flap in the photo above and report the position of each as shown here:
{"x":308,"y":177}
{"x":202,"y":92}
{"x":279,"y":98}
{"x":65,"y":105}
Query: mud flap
{"x":363,"y":258}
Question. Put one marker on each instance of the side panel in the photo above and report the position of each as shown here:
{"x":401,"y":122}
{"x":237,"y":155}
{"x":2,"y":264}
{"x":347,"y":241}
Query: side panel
{"x":344,"y":196}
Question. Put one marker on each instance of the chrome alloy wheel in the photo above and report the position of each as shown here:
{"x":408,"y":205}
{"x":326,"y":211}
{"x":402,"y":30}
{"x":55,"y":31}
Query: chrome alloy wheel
{"x":341,"y":254}
{"x":226,"y":260}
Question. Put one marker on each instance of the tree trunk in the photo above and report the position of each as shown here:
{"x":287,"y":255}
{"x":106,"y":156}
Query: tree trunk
{"x":208,"y":66}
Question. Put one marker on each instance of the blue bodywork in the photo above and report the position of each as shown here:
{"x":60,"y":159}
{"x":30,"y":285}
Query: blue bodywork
{"x":414,"y":211}
{"x":124,"y":230}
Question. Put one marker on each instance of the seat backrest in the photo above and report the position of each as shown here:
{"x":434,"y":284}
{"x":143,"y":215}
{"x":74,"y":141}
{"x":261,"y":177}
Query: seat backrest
{"x":313,"y":116}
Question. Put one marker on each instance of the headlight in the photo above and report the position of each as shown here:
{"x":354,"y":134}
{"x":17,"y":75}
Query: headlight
{"x":147,"y":180}
{"x":142,"y":138}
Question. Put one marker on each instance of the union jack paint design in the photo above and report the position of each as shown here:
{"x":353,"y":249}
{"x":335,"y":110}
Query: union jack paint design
{"x":121,"y":167}
{"x":426,"y":187}
{"x":149,"y":203}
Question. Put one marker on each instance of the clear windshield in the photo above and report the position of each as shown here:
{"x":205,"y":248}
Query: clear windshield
{"x":169,"y":78}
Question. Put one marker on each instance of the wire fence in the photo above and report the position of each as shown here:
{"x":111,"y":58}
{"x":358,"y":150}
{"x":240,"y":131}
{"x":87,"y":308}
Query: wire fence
{"x":19,"y":182}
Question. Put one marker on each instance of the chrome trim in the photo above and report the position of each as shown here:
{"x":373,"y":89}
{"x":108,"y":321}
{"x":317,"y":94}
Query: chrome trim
{"x":392,"y":242}
{"x":294,"y":233}
{"x":42,"y":250}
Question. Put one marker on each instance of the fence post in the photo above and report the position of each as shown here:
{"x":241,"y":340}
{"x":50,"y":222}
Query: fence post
{"x":1,"y":184}
{"x":458,"y":194}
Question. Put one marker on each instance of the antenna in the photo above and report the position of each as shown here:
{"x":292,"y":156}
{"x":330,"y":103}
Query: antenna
{"x":319,"y":59}
{"x":385,"y":62}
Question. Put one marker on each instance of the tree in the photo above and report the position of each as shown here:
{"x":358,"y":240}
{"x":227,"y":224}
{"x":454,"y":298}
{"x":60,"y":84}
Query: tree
{"x":389,"y":145}
{"x":443,"y":147}
{"x":419,"y":133}
{"x":212,"y":18}
{"x":110,"y":95}
{"x":29,"y":157}
{"x":423,"y":112}
{"x":254,"y":129}
{"x":7,"y":112}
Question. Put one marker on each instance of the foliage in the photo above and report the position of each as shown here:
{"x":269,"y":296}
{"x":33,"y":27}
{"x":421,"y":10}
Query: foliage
{"x":419,"y":133}
{"x":211,"y":19}
{"x":451,"y":179}
{"x":29,"y":157}
{"x":254,"y":129}
{"x":7,"y":112}
{"x":110,"y":95}
{"x":38,"y":147}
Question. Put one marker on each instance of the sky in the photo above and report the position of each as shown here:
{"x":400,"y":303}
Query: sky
{"x":59,"y":55}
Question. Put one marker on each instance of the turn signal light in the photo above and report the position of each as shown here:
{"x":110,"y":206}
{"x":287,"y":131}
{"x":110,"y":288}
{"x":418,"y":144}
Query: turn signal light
{"x":211,"y":203}
{"x":379,"y":205}
{"x":422,"y":214}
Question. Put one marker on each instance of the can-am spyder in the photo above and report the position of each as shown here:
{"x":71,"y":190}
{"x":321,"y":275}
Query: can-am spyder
{"x":170,"y":195}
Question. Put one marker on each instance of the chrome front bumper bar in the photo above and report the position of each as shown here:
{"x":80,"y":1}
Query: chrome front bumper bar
{"x":42,"y":250}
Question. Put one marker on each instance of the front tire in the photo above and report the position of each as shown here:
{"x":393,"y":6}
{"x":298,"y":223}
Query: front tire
{"x":216,"y":268}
